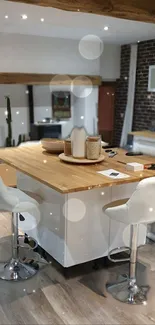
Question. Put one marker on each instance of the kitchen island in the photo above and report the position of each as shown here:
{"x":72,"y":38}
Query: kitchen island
{"x":72,"y":226}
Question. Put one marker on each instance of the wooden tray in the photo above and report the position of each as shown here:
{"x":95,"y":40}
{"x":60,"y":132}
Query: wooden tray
{"x":53,"y":151}
{"x":70,"y":159}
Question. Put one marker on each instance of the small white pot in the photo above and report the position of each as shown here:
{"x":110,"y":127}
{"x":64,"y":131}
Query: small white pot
{"x":78,"y":141}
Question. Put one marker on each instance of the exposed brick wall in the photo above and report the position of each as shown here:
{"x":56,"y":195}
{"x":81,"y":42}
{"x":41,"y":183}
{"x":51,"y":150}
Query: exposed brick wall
{"x":144,"y":108}
{"x":121,"y":93}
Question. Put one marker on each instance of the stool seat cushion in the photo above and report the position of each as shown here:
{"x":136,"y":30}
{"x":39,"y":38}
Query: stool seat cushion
{"x":25,"y":203}
{"x":114,"y":204}
{"x":14,"y":200}
{"x":140,"y":208}
{"x":117,"y":210}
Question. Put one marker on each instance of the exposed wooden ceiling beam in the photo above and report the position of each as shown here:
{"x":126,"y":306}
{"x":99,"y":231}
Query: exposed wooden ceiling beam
{"x":140,"y":10}
{"x":48,"y":79}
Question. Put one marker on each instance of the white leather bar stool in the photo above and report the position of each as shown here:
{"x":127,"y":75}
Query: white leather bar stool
{"x":15,"y":201}
{"x":139,"y":209}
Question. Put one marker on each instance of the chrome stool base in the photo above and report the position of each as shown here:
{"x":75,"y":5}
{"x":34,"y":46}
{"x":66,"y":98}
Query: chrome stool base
{"x":17,"y":271}
{"x":127,"y":291}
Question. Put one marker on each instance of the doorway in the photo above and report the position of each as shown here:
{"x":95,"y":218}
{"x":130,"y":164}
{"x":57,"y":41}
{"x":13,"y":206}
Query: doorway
{"x":106,"y":111}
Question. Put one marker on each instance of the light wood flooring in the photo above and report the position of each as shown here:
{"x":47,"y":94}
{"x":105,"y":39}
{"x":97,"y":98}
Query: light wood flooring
{"x":79,"y":298}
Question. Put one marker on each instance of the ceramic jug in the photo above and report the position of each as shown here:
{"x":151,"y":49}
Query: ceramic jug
{"x":78,"y":142}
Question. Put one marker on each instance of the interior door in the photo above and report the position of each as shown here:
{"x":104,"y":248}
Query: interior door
{"x":106,"y":111}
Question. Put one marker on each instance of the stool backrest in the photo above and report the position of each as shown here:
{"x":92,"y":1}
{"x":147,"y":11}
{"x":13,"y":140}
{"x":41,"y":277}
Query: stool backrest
{"x":3,"y":188}
{"x":7,"y":200}
{"x":141,"y":205}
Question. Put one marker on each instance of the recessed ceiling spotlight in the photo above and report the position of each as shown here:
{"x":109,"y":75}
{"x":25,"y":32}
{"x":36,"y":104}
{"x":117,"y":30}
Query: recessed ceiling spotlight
{"x":24,"y":16}
{"x":6,"y":16}
{"x":42,"y":20}
{"x":106,"y":28}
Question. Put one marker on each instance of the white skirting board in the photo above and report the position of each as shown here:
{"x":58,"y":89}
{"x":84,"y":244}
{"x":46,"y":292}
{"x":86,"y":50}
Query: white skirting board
{"x":72,"y":227}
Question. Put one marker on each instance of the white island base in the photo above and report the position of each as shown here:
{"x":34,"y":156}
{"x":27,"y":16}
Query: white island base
{"x":72,"y":228}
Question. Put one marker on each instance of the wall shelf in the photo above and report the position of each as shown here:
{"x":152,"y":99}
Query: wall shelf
{"x":48,"y":79}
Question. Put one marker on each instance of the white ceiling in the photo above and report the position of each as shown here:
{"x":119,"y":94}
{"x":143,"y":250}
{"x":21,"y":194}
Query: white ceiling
{"x":65,"y":24}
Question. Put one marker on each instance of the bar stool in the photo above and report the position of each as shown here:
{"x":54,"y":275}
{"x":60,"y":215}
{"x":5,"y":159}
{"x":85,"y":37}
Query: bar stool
{"x":139,"y":209}
{"x":15,"y":201}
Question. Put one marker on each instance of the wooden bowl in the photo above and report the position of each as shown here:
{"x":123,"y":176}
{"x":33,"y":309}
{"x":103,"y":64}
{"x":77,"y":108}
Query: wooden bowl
{"x":53,"y":145}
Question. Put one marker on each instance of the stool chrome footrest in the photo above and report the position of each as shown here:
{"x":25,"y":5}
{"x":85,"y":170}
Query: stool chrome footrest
{"x":127,"y":291}
{"x":16,"y":270}
{"x":116,"y":251}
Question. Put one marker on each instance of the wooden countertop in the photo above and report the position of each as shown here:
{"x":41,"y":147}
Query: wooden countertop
{"x":146,"y":134}
{"x":8,"y":175}
{"x":67,"y":178}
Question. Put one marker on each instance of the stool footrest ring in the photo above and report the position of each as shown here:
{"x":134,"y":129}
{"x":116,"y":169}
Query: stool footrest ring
{"x":116,"y":251}
{"x":29,"y":238}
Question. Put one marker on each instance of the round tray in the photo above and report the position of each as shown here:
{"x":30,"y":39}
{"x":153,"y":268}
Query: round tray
{"x":70,"y":159}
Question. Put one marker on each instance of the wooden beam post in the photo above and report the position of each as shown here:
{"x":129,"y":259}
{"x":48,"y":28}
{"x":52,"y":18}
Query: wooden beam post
{"x":48,"y":79}
{"x":140,"y":10}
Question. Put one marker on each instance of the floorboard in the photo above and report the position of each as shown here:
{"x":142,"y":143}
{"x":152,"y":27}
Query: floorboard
{"x":81,"y":298}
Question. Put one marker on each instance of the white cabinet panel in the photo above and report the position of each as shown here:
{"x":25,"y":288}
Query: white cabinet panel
{"x":27,"y":183}
{"x":50,"y":230}
{"x":87,"y":236}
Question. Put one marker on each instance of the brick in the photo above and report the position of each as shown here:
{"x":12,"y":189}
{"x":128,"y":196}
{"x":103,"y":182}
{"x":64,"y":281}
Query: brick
{"x":144,"y":108}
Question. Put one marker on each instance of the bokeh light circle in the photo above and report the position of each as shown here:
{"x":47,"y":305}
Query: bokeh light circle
{"x":91,"y":47}
{"x":81,"y":86}
{"x":74,"y":210}
{"x":60,"y":82}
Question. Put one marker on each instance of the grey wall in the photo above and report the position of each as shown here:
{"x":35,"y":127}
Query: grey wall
{"x":19,"y":109}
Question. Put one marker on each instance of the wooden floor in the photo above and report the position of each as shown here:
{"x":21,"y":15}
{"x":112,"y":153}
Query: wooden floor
{"x":80,"y":298}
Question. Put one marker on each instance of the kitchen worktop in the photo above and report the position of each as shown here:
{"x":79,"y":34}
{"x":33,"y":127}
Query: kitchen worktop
{"x":68,"y":178}
{"x":8,"y":175}
{"x":145,"y":134}
{"x":51,"y":123}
